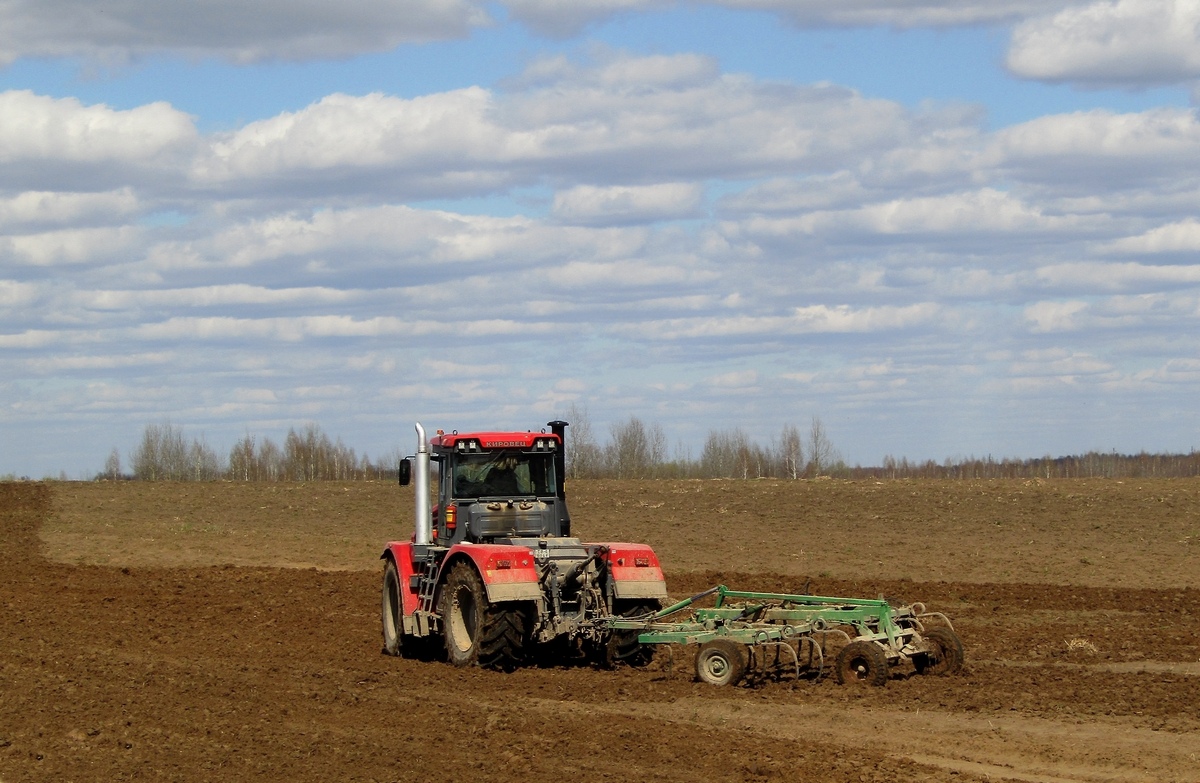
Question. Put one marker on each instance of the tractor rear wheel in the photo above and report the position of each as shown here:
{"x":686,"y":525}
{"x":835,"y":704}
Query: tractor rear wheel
{"x":622,"y":647}
{"x":945,"y":655}
{"x":478,"y":632}
{"x":721,"y":662}
{"x":862,"y":662}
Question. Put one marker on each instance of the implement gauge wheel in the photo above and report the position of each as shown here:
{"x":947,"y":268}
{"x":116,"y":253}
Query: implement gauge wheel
{"x":945,"y":654}
{"x":721,"y":662}
{"x":862,"y":662}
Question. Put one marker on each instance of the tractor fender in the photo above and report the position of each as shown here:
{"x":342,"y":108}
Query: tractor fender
{"x":401,"y":552}
{"x":634,"y":570}
{"x":508,"y":572}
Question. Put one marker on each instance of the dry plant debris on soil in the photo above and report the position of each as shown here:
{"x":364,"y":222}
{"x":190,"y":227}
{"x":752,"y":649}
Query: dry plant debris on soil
{"x":195,"y":632}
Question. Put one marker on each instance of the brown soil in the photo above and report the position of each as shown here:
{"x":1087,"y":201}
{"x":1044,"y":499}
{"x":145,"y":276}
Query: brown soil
{"x":148,"y":631}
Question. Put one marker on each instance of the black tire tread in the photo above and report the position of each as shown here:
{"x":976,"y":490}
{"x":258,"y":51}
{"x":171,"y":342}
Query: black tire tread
{"x":501,"y":629}
{"x":623,"y":647}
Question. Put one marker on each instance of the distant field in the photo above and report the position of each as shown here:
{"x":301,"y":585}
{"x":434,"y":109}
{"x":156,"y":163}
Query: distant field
{"x":1078,"y":532}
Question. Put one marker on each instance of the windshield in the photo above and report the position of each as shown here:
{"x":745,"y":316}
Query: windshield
{"x":503,"y":474}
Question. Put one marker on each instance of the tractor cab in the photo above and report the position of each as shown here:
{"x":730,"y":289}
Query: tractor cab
{"x":493,"y":487}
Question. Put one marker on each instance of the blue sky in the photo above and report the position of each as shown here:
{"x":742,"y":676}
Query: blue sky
{"x":946,"y":229}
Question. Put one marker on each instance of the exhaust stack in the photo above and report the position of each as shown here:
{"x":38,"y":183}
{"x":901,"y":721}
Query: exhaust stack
{"x":559,"y":428}
{"x":424,"y":518}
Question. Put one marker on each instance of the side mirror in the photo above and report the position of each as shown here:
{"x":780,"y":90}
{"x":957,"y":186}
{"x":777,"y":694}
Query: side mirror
{"x":405,"y":469}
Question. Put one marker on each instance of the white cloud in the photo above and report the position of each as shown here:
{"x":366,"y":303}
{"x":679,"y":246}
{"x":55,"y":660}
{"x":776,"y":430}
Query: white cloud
{"x":1126,"y":42}
{"x":35,"y":129}
{"x":41,"y":209}
{"x":975,"y":215}
{"x":567,"y":17}
{"x":15,"y":295}
{"x":590,"y":205}
{"x":1102,"y":155}
{"x":1155,"y":310}
{"x":239,"y":31}
{"x":901,"y":13}
{"x":1088,"y":276}
{"x":435,"y":135}
{"x":623,"y":275}
{"x":442,"y":369}
{"x":70,"y":246}
{"x":671,"y":119}
{"x":1181,"y":236}
{"x":97,"y":362}
{"x":296,"y":329}
{"x":812,"y":319}
{"x":738,"y":379}
{"x":1055,"y":316}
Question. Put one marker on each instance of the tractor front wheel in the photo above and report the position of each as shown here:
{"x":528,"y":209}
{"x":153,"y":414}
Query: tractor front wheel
{"x":391,"y":613}
{"x":477,"y":631}
{"x":862,"y":662}
{"x":721,"y":662}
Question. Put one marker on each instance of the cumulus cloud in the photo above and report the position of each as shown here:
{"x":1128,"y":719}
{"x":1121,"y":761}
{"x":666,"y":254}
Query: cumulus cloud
{"x":667,"y":118}
{"x":231,"y":29}
{"x":1133,"y":43}
{"x":48,"y":143}
{"x":1101,"y":150}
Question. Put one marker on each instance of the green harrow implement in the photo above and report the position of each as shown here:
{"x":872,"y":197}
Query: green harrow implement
{"x":747,"y":631}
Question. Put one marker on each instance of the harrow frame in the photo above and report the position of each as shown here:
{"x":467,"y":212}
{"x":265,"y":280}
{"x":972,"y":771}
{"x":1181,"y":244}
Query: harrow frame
{"x":755,"y":621}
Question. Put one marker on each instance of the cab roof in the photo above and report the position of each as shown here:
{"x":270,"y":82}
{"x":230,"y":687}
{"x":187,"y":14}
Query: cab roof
{"x":492,"y":440}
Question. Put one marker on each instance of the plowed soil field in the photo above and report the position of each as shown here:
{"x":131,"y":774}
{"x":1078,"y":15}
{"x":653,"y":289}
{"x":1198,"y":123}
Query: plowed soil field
{"x":199,"y":632}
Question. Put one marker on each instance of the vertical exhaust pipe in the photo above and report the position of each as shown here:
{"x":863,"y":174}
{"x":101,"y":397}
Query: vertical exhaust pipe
{"x":424,"y":518}
{"x":559,"y":428}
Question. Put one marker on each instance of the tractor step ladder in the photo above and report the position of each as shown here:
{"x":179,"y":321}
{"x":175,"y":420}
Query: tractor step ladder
{"x":425,"y":594}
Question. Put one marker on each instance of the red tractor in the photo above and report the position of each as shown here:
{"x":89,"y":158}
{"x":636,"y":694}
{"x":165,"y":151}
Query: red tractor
{"x":492,"y":575}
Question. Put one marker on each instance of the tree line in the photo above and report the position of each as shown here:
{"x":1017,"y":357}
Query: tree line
{"x":633,"y":449}
{"x":164,"y":453}
{"x":1093,"y":464}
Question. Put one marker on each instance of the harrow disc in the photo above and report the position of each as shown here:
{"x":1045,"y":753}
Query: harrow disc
{"x":721,"y":662}
{"x":945,"y":654}
{"x":862,"y":662}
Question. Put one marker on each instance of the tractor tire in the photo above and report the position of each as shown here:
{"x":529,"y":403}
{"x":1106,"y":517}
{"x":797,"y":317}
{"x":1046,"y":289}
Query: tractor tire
{"x":945,"y":655}
{"x":391,"y":614}
{"x":622,"y":647}
{"x":477,"y":632}
{"x":863,"y":663}
{"x":721,"y":662}
{"x":395,"y":641}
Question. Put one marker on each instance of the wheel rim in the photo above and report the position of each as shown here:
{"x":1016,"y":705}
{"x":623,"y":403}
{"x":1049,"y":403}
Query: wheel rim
{"x":717,"y":666}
